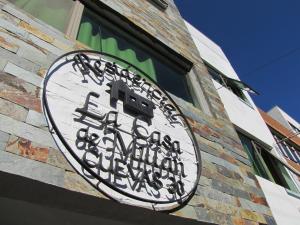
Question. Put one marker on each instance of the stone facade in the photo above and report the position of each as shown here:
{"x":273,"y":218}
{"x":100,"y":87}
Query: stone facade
{"x":228,"y":192}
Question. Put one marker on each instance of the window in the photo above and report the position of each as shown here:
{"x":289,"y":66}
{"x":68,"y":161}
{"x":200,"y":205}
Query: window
{"x":266,"y":166}
{"x":297,"y":153}
{"x":295,"y":129}
{"x":161,"y":3}
{"x":100,"y":34}
{"x":282,"y":150}
{"x":257,"y":162}
{"x":287,"y":150}
{"x":216,"y":75}
{"x":83,"y":23}
{"x":233,"y":85}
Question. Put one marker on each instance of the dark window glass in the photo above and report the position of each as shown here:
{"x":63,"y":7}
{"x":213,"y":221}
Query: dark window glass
{"x":172,"y":81}
{"x":266,"y":166}
{"x":238,"y":92}
{"x":254,"y":158}
{"x":289,"y":152}
{"x":294,"y":153}
{"x":283,"y":150}
{"x":215,"y":75}
{"x":295,"y":129}
{"x":221,"y":79}
{"x":297,"y":154}
{"x":279,"y":173}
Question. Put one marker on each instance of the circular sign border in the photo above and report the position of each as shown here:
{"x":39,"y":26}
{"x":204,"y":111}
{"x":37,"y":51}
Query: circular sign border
{"x":51,"y":123}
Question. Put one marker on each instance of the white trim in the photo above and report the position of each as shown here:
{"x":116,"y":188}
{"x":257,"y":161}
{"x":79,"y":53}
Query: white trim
{"x":74,"y":21}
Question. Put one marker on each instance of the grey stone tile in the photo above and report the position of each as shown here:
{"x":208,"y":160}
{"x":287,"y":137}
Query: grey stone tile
{"x":3,"y":140}
{"x":3,"y":136}
{"x":240,"y":158}
{"x":15,"y":164}
{"x":270,"y":220}
{"x":42,"y":26}
{"x":203,"y":214}
{"x":246,"y":204}
{"x":50,"y":59}
{"x":249,"y":181}
{"x":10,"y":18}
{"x":26,"y":131}
{"x":2,"y":4}
{"x":254,"y":189}
{"x":204,"y":181}
{"x":21,"y":62}
{"x":24,"y":49}
{"x":220,"y":161}
{"x":11,"y":9}
{"x":188,"y":212}
{"x":12,"y":110}
{"x":32,"y":54}
{"x":43,"y":44}
{"x":220,"y":186}
{"x":216,"y":195}
{"x":13,"y":28}
{"x":23,"y":74}
{"x":36,"y":119}
{"x":3,"y":63}
{"x":7,"y":43}
{"x":57,"y":159}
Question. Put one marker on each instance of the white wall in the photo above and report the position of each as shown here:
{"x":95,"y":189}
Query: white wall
{"x":211,"y":52}
{"x":283,"y":118}
{"x":245,"y":117}
{"x":240,"y":114}
{"x":285,"y":208}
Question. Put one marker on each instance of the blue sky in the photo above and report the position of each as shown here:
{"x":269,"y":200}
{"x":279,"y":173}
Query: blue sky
{"x":261,"y":38}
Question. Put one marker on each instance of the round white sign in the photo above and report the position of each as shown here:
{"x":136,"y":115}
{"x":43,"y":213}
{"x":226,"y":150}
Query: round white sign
{"x":121,"y":131}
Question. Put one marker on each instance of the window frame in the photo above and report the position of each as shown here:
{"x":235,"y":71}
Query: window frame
{"x":156,"y":56}
{"x":282,"y":150}
{"x":287,"y":149}
{"x":295,"y":154}
{"x":198,"y":95}
{"x":295,"y":129}
{"x":74,"y":21}
{"x":270,"y":165}
{"x":234,"y":89}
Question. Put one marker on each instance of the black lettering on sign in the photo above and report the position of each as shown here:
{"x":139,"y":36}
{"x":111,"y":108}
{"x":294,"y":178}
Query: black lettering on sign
{"x":83,"y":63}
{"x":176,"y":186}
{"x":86,"y":113}
{"x":119,"y":168}
{"x":150,"y":160}
{"x":86,"y":141}
{"x":132,"y":101}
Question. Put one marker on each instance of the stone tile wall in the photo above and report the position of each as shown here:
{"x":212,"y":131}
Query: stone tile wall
{"x":228,"y":192}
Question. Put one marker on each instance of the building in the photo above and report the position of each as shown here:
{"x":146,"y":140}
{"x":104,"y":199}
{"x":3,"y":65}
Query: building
{"x":278,"y":180}
{"x":286,"y":135}
{"x":284,"y":119}
{"x":49,"y":176}
{"x":284,"y":131}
